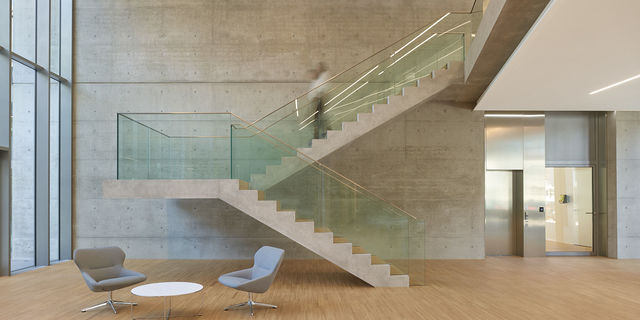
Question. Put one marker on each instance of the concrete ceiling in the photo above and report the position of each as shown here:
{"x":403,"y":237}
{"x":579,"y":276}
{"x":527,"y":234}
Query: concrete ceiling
{"x":576,"y":47}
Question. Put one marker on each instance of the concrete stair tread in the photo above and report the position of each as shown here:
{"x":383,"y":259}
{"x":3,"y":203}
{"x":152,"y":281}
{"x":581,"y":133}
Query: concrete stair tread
{"x":340,"y":240}
{"x":396,"y":271}
{"x":358,"y":250}
{"x":377,"y":260}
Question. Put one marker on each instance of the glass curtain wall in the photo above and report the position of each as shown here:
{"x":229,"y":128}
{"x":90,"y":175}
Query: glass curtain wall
{"x":23,"y":28}
{"x":35,"y":40}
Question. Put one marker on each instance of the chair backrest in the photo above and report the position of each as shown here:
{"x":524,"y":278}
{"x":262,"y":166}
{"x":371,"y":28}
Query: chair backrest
{"x":267,"y":261}
{"x":98,"y":258}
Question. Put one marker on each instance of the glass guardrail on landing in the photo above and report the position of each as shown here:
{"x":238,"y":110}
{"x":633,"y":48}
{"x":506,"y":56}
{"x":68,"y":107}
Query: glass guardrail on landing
{"x":222,"y":146}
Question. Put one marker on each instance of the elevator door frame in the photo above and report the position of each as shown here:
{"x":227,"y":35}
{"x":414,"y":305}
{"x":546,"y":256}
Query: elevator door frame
{"x":594,"y":217}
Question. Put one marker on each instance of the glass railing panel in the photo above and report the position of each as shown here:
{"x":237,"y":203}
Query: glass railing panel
{"x":158,"y":149}
{"x":334,"y":203}
{"x":251,"y":155}
{"x":302,"y":192}
{"x":417,"y":251}
{"x":174,"y":146}
{"x":133,"y":149}
{"x":198,"y":158}
{"x":315,"y":192}
{"x":371,"y":81}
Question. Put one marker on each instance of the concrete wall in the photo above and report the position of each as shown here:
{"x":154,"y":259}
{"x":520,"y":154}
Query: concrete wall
{"x":429,"y":162}
{"x":623,"y":187}
{"x":247,"y":57}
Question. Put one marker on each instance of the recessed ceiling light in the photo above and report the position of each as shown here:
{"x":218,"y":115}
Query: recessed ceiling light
{"x":512,"y":115}
{"x":615,"y":84}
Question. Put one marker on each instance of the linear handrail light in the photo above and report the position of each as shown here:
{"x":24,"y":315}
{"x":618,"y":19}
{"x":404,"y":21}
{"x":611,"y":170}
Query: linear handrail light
{"x":510,"y":115}
{"x":347,"y":96}
{"x":615,"y":84}
{"x":456,"y":27}
{"x":349,"y":87}
{"x":309,"y":117}
{"x":408,"y":52}
{"x":421,"y":33}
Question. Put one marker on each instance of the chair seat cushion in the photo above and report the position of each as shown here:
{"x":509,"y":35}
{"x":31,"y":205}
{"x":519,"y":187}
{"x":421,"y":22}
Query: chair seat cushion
{"x":232,"y":281}
{"x":120,"y":282}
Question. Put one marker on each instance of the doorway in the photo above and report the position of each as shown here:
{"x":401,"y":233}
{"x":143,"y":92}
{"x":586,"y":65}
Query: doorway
{"x":569,"y":211}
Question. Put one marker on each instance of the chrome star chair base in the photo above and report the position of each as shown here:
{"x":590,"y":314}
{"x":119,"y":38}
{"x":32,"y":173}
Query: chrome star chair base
{"x":256,"y":279}
{"x":102,"y":271}
{"x":250,"y":304}
{"x":111,"y":303}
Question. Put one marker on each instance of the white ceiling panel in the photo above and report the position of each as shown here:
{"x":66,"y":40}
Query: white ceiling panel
{"x":576,"y":47}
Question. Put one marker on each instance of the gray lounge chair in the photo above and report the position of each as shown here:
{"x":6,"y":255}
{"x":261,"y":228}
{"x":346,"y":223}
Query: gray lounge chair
{"x":257,"y":279}
{"x":102,"y":270}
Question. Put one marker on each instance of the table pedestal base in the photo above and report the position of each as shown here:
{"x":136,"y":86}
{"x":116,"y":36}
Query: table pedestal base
{"x":166,"y":312}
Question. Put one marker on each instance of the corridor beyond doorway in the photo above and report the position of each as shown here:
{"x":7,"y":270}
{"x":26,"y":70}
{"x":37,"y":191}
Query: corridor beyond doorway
{"x":569,"y":209}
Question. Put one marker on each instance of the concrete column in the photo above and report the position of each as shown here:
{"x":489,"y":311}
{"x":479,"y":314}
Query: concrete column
{"x":624,"y":190}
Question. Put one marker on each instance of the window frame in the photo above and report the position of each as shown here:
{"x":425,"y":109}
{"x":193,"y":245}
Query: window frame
{"x":41,"y":64}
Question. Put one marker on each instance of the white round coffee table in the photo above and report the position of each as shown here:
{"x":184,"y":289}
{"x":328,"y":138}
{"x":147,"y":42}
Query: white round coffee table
{"x":166,"y":290}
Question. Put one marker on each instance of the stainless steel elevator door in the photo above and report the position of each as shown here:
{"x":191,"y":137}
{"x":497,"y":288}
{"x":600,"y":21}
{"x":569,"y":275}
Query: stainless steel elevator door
{"x":500,"y":232}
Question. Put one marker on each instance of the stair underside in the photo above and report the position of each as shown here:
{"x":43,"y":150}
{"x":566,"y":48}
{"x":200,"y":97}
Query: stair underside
{"x":321,"y":241}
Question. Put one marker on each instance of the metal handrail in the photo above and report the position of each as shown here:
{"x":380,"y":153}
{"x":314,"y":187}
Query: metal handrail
{"x":140,"y":123}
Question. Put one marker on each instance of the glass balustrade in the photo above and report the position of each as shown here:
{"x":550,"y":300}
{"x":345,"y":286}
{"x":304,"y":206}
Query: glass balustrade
{"x":417,"y":56}
{"x":264,"y":153}
{"x":222,"y":146}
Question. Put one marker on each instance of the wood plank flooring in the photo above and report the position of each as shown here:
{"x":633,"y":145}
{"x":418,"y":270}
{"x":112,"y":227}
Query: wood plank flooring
{"x":494,"y":288}
{"x":553,"y":246}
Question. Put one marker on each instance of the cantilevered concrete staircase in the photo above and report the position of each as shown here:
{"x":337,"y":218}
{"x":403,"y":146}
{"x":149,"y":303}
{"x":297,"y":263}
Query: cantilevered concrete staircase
{"x":322,"y":241}
{"x":378,"y":114}
{"x":339,"y":251}
{"x":273,"y":178}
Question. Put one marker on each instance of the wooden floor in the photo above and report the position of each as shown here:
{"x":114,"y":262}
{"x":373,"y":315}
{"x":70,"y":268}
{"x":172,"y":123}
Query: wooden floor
{"x":495,"y":288}
{"x":554,"y":246}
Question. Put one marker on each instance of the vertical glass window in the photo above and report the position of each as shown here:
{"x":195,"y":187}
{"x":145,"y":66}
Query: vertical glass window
{"x":23,"y":28}
{"x":23,"y":167}
{"x":54,"y":170}
{"x":55,"y":37}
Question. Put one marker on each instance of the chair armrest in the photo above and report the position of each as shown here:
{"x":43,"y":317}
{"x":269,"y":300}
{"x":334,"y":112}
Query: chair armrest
{"x":258,"y":285}
{"x":130,"y":273}
{"x":91,"y":283}
{"x":244,"y":273}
